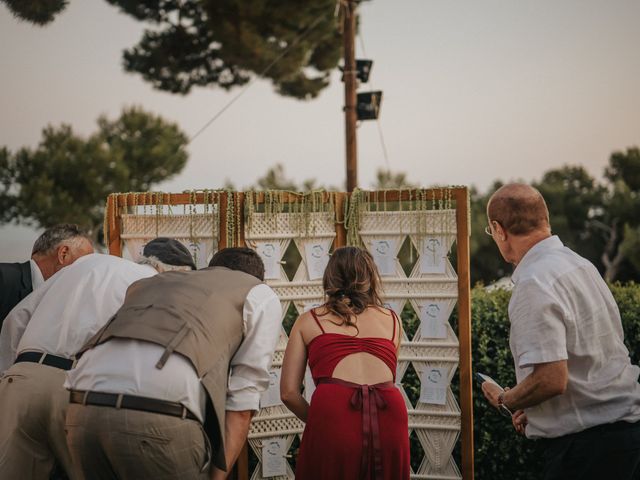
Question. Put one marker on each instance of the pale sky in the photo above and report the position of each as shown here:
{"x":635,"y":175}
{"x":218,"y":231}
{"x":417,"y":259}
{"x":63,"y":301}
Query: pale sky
{"x":473,"y":91}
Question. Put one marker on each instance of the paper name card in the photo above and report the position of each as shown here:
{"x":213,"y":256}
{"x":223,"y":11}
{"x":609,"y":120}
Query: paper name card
{"x":433,"y":255}
{"x":434,"y":385}
{"x":274,"y":463}
{"x":271,"y":396}
{"x":395,"y":305}
{"x":384,"y":255}
{"x":270,"y":253}
{"x":135,"y":247}
{"x":311,"y":305}
{"x":200,"y":251}
{"x":309,"y":385}
{"x":316,"y":256}
{"x":400,"y":370}
{"x":433,"y":323}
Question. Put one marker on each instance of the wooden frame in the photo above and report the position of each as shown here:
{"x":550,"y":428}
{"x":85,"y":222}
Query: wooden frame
{"x":458,"y":194}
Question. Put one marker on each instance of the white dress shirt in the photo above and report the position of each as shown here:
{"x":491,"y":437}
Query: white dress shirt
{"x":128,"y":366}
{"x":561,"y":309}
{"x":36,"y":275}
{"x":69,"y":308}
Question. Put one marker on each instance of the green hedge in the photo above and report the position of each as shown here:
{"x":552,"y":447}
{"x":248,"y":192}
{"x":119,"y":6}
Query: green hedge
{"x":499,"y":452}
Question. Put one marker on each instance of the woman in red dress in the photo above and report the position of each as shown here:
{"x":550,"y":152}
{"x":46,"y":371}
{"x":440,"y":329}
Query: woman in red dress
{"x":356,"y":425}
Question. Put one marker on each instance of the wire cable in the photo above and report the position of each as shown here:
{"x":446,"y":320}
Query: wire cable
{"x":297,"y":40}
{"x":380,"y":134}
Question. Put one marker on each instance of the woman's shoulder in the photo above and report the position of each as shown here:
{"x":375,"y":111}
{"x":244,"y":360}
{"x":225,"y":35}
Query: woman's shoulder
{"x":309,"y":323}
{"x":306,"y":320}
{"x":382,"y":319}
{"x":379,"y":311}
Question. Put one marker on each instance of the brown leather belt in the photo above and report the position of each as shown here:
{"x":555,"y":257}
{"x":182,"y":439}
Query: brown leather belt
{"x":131,"y":402}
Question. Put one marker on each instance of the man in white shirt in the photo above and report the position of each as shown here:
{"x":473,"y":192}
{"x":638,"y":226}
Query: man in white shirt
{"x":38,"y":344}
{"x":56,"y":248}
{"x":577,"y":390}
{"x":141,"y":397}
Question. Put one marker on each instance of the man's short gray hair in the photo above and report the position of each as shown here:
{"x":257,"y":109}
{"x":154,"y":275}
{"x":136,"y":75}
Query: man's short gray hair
{"x":54,"y":236}
{"x":161,"y":266}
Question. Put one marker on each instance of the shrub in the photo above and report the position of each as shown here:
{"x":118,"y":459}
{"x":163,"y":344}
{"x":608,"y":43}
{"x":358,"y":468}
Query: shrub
{"x":499,"y":452}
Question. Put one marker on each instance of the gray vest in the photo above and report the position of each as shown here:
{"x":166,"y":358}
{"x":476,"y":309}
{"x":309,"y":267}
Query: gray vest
{"x":196,"y":314}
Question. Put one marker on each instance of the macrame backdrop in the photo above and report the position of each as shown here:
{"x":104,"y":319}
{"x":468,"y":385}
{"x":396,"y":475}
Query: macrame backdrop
{"x":411,"y":234}
{"x":295,"y":226}
{"x":419,"y":282}
{"x":145,"y":216}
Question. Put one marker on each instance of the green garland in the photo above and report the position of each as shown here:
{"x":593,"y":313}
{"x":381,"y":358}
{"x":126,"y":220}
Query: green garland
{"x":153,"y":203}
{"x":298,"y":205}
{"x":366,"y":201}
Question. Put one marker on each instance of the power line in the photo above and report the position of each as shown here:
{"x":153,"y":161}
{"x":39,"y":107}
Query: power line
{"x":364,"y":50}
{"x":382,"y":144}
{"x":261,"y":74}
{"x":380,"y":134}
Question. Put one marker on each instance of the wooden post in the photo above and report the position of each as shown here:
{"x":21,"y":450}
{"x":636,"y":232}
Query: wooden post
{"x":241,"y":468}
{"x":464,"y":331}
{"x":341,"y":231}
{"x":350,"y":85}
{"x":239,"y":204}
{"x":222,"y":220}
{"x":113,"y":241}
{"x":242,"y":465}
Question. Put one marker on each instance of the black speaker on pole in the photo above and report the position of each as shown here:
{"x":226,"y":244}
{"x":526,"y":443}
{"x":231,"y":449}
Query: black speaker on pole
{"x":368,"y":105}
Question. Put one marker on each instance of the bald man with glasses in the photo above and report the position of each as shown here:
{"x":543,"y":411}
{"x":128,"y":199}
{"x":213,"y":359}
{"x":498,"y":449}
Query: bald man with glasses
{"x":577,"y":392}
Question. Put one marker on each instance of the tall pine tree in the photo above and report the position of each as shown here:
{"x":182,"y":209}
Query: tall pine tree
{"x":223,"y":43}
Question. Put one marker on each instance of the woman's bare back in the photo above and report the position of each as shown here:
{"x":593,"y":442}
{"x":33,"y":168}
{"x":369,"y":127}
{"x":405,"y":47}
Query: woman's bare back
{"x":360,"y":367}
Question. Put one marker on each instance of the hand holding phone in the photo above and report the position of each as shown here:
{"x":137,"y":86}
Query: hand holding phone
{"x":482,"y":378}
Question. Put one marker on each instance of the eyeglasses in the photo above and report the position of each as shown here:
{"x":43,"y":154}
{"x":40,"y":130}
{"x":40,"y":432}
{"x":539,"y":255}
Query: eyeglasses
{"x":488,"y":230}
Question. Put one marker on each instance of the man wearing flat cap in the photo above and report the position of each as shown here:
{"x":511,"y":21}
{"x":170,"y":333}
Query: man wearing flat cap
{"x":163,"y":252}
{"x":38,"y":344}
{"x":167,"y":389}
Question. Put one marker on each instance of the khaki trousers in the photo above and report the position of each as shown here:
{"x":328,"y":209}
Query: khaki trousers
{"x":33,"y":405}
{"x":108,"y":443}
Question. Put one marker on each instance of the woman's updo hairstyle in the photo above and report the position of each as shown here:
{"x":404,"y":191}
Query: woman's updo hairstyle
{"x":351,"y":284}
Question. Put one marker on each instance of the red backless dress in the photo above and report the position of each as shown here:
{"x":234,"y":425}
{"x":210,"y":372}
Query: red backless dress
{"x":353,"y":431}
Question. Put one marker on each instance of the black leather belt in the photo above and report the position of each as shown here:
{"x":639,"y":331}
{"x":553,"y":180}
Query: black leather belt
{"x":131,"y":402}
{"x":45,"y":359}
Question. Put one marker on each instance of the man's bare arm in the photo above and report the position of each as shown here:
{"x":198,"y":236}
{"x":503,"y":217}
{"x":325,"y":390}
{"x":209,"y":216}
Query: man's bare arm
{"x":546,"y":381}
{"x":236,"y":429}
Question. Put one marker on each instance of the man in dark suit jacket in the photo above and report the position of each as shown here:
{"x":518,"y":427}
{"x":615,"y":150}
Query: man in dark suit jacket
{"x":56,"y":248}
{"x":15,"y":284}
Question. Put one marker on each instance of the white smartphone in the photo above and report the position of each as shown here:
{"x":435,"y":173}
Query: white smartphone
{"x":481,"y":377}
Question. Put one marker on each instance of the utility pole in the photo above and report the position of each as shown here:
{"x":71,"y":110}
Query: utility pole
{"x":350,"y":85}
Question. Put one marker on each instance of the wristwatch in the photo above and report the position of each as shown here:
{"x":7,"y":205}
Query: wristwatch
{"x":502,"y":408}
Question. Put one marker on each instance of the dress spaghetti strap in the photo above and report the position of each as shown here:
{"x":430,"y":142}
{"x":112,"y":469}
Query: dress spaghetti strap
{"x":315,"y":317}
{"x":395,"y":320}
